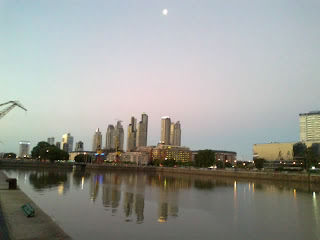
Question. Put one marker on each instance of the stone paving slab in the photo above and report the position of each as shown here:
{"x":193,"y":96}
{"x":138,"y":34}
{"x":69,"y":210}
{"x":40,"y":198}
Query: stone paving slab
{"x":41,"y":226}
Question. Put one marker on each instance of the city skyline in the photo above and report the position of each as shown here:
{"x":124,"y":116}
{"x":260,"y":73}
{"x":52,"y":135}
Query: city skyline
{"x":234,"y":73}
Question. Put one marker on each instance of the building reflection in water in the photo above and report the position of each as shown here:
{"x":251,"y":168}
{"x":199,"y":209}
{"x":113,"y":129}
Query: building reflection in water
{"x":94,"y":187}
{"x":128,"y":204}
{"x":128,"y":189}
{"x":139,"y":207}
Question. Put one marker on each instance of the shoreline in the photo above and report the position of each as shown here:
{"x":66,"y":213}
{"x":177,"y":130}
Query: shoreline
{"x":272,"y":176}
{"x":41,"y":226}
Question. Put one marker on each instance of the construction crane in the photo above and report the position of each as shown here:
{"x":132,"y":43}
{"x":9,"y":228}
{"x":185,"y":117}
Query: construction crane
{"x":10,"y":107}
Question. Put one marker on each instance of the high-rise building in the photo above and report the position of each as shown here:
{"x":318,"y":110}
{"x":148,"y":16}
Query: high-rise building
{"x":165,"y":130}
{"x":310,"y":126}
{"x":79,"y":146}
{"x":51,"y":140}
{"x":65,"y":147}
{"x":24,"y":149}
{"x":58,"y":145}
{"x":97,"y":141}
{"x":67,"y":139}
{"x":142,"y":131}
{"x":119,"y":136}
{"x":176,"y":134}
{"x":110,"y":137}
{"x":171,"y":133}
{"x":132,"y":135}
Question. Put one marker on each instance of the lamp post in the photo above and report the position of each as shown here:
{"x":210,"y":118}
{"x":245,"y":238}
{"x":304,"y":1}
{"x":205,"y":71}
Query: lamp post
{"x":47,"y":153}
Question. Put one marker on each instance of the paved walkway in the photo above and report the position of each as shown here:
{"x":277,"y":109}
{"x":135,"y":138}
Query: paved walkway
{"x":41,"y":226}
{"x":4,"y":234}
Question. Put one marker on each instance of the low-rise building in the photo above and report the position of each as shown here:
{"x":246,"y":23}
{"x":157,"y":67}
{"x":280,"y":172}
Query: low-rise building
{"x":277,"y":151}
{"x":140,"y":158}
{"x":24,"y":149}
{"x":168,"y":152}
{"x":72,"y":155}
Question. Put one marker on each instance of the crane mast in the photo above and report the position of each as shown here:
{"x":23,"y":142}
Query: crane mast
{"x":12,"y":105}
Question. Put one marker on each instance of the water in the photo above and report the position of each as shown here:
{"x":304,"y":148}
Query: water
{"x":128,"y":205}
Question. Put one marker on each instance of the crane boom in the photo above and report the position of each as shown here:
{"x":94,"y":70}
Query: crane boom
{"x":12,"y":105}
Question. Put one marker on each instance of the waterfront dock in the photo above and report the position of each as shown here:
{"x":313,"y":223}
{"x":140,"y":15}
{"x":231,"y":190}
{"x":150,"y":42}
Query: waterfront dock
{"x":19,"y":227}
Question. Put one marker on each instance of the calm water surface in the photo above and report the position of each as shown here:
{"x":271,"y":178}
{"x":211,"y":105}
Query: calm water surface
{"x":129,"y":205}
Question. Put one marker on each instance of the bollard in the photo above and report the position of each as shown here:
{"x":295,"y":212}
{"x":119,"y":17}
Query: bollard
{"x":12,"y":183}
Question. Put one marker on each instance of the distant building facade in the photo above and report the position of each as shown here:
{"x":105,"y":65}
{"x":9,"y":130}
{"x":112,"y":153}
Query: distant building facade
{"x":278,"y":151}
{"x":72,"y":155}
{"x":165,"y":130}
{"x":51,"y":140}
{"x":310,"y":126}
{"x":225,"y":156}
{"x":142,"y":131}
{"x":67,"y":142}
{"x":132,"y":135}
{"x":146,"y":149}
{"x":167,"y":152}
{"x":140,"y":158}
{"x":58,"y":145}
{"x":176,"y":134}
{"x":79,"y":146}
{"x":119,"y":139}
{"x":24,"y":149}
{"x":110,"y":137}
{"x":97,"y":141}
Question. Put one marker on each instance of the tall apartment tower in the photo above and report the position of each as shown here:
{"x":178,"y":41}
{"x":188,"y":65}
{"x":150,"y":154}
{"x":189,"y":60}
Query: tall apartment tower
{"x":24,"y":149}
{"x":165,"y":130}
{"x":58,"y":145}
{"x":78,"y":147}
{"x":110,"y":137}
{"x":142,"y":131}
{"x":310,"y":126}
{"x":51,"y":140}
{"x":119,"y":136}
{"x":176,"y":135}
{"x":132,"y":135}
{"x":67,"y":142}
{"x":172,"y":133}
{"x":97,"y":141}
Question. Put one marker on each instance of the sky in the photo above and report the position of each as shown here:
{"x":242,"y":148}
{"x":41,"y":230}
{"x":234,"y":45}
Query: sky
{"x":234,"y":73}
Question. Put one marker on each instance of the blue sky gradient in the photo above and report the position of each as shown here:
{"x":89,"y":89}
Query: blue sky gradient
{"x":234,"y":73}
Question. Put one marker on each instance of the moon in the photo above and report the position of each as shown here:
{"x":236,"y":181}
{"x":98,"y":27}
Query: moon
{"x":165,"y":12}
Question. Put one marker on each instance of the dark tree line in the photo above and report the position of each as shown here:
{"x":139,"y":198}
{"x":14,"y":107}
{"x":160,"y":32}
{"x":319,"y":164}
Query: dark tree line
{"x":309,"y":155}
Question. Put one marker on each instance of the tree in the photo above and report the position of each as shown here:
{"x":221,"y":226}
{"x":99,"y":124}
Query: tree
{"x":310,"y":157}
{"x":44,"y":150}
{"x":83,"y":158}
{"x":228,"y":165}
{"x":220,"y":165}
{"x":10,"y":155}
{"x":35,"y":153}
{"x":259,"y":162}
{"x":299,"y":150}
{"x":205,"y":158}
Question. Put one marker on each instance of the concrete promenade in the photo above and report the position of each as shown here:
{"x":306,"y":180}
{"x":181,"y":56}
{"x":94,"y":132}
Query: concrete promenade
{"x":39,"y":227}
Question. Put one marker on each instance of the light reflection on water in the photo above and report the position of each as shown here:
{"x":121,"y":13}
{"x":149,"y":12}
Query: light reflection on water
{"x":95,"y":204}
